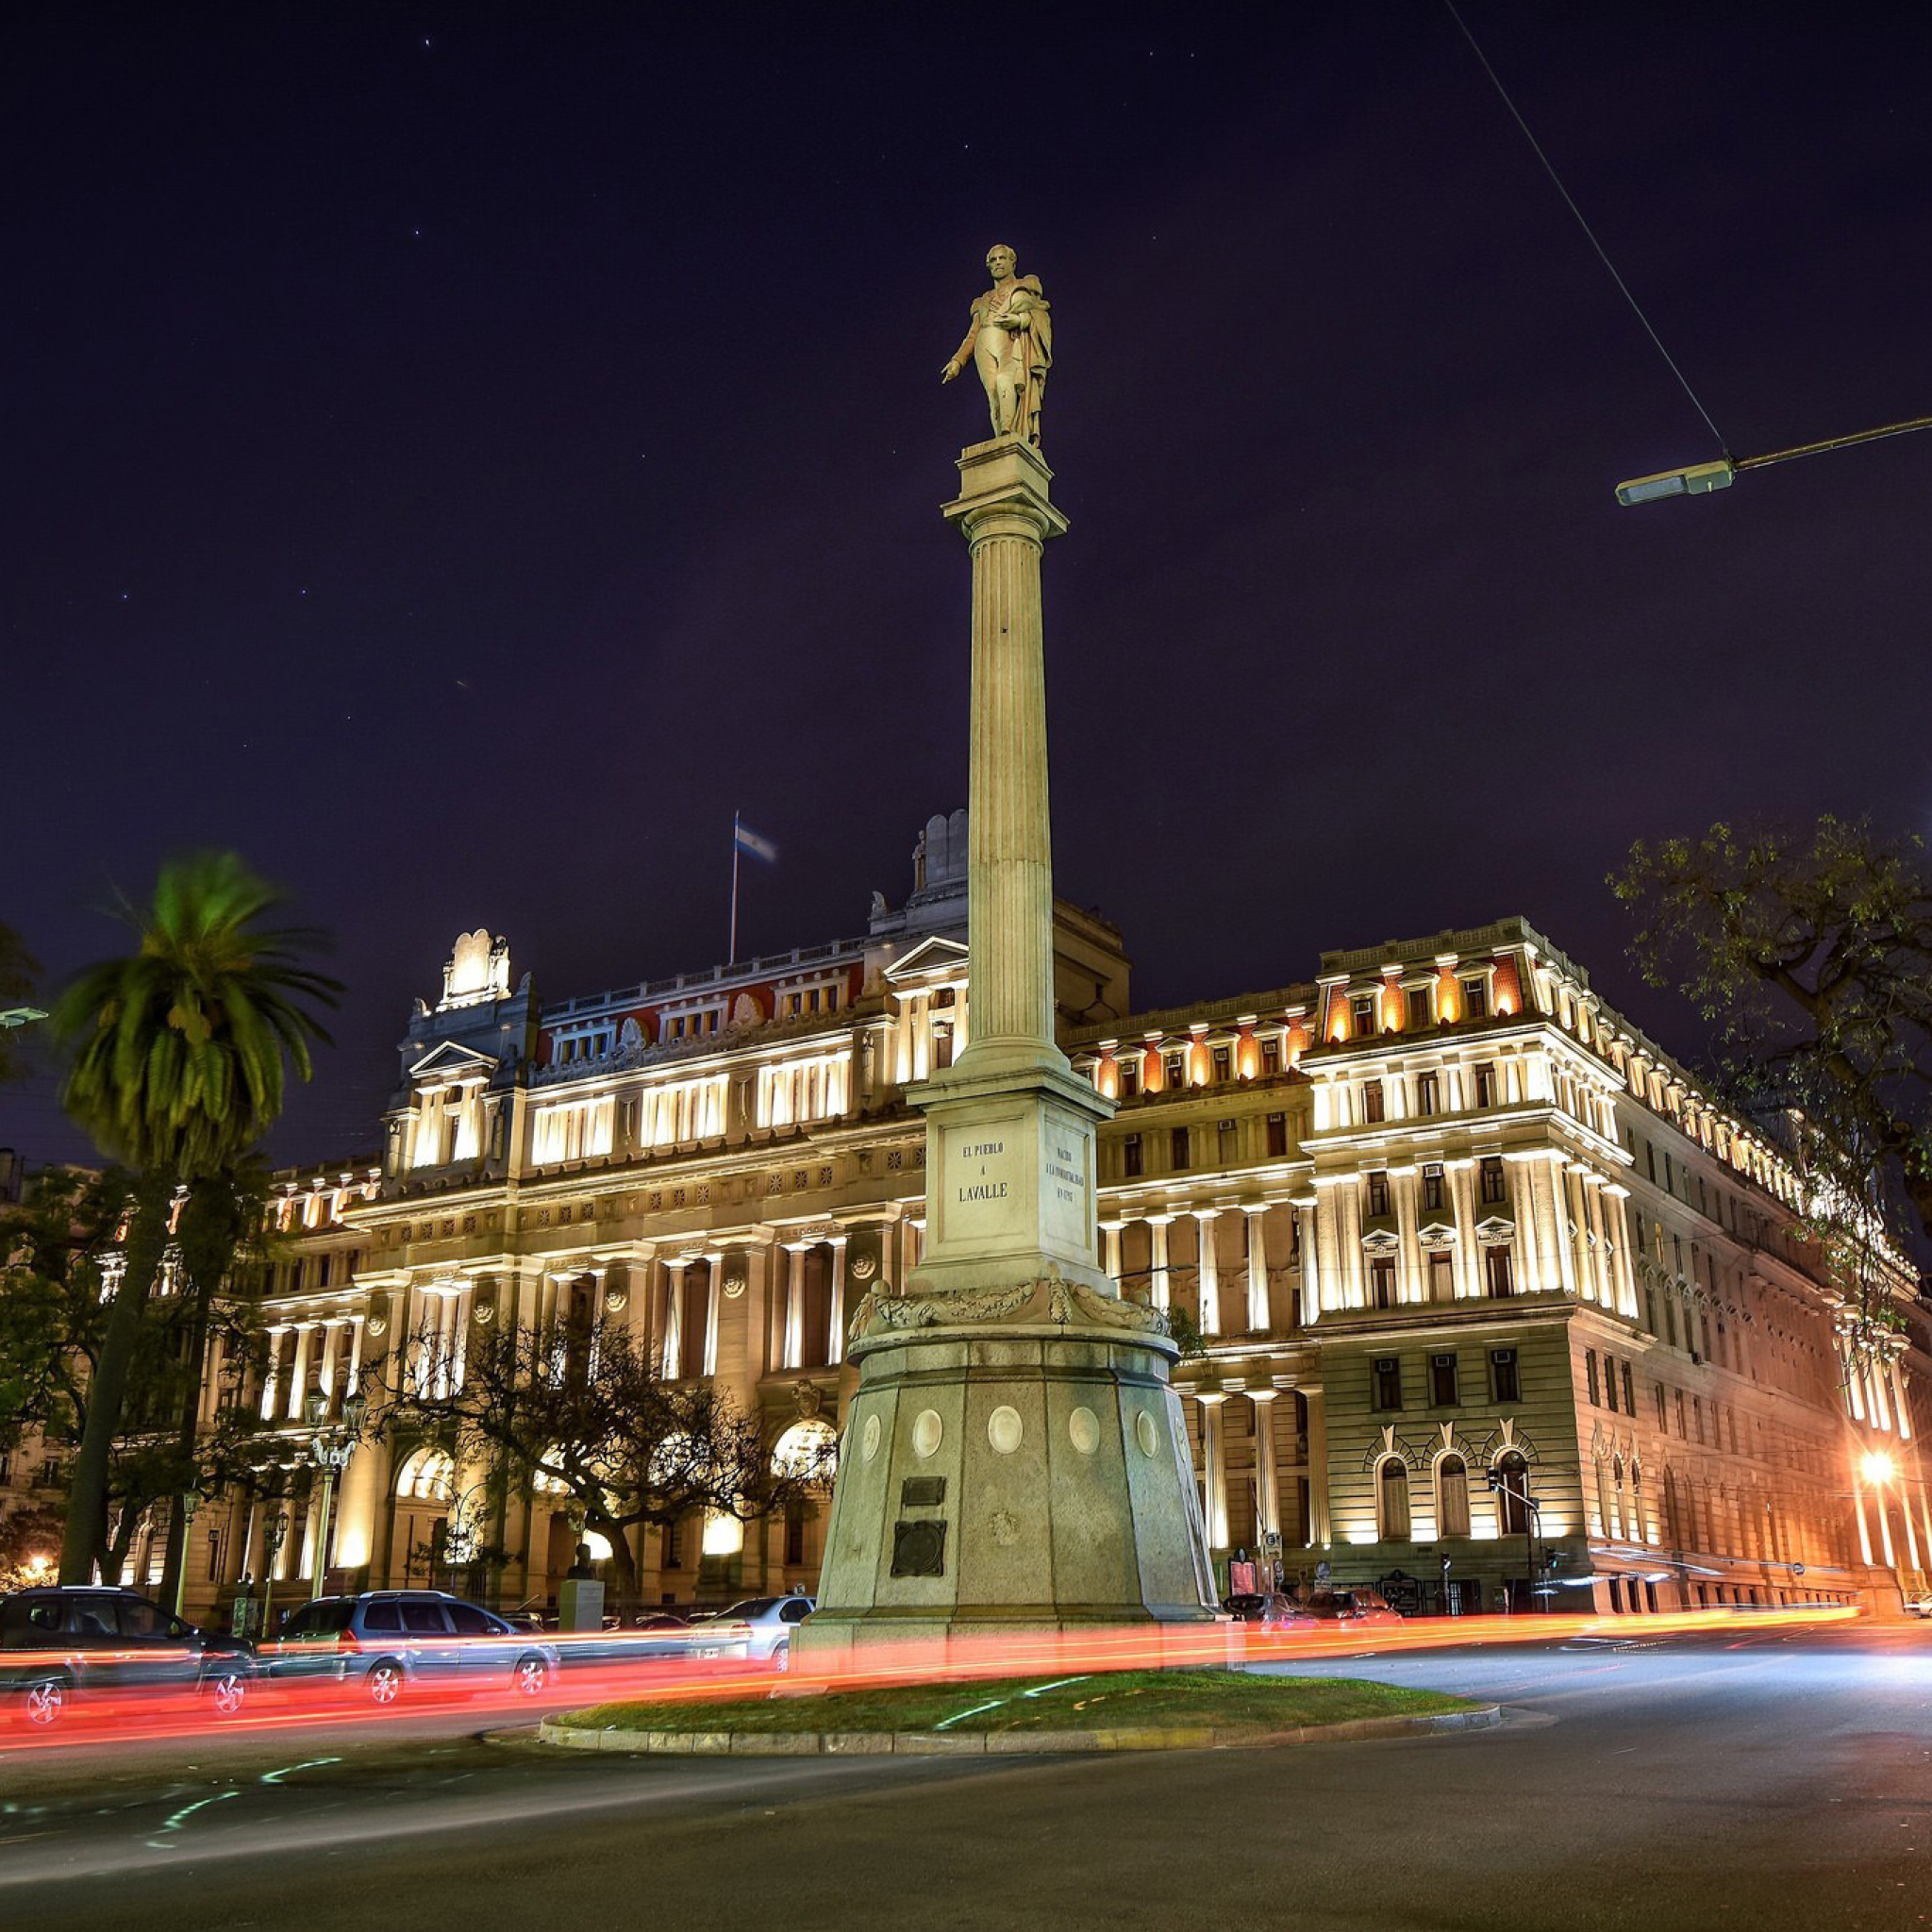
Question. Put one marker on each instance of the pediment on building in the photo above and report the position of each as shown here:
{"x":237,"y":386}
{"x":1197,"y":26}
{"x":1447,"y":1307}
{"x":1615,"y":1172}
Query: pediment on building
{"x":449,"y":1060}
{"x":1494,"y":1229}
{"x":936,"y":958}
{"x":1437,"y":1233}
{"x":1381,"y":1240}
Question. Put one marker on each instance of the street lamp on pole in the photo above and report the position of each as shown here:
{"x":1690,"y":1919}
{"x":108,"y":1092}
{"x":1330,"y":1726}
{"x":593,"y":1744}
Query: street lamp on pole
{"x":1700,"y":479}
{"x":331,"y":1446}
{"x":274,"y":1530}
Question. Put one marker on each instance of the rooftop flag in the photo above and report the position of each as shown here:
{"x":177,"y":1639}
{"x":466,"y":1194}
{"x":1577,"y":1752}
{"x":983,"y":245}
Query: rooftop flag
{"x":748,"y":840}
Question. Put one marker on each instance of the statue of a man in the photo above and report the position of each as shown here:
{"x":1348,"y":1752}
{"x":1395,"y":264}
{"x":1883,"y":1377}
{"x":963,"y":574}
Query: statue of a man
{"x":1009,"y":340}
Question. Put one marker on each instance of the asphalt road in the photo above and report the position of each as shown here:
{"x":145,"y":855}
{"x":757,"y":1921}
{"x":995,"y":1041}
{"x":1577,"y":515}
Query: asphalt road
{"x":1760,"y":1778}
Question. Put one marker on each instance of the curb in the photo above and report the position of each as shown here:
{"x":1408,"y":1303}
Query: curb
{"x":999,"y":1744}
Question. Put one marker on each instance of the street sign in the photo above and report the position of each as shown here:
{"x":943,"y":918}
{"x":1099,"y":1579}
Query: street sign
{"x":1271,"y":1543}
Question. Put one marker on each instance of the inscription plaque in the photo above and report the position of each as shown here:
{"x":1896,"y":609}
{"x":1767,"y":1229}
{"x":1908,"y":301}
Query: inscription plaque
{"x":921,"y":1493}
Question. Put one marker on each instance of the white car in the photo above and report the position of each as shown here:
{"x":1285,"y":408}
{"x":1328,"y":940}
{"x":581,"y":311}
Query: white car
{"x":764,"y":1625}
{"x":1918,"y":1604}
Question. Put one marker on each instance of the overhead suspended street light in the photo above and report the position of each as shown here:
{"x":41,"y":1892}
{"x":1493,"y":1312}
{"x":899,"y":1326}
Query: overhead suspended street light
{"x":1700,"y":479}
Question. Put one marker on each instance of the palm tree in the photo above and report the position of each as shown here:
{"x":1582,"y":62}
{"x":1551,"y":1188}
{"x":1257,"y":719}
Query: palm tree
{"x":181,"y":1052}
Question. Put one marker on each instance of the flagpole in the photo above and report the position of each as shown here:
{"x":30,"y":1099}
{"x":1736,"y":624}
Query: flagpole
{"x":733,"y":959}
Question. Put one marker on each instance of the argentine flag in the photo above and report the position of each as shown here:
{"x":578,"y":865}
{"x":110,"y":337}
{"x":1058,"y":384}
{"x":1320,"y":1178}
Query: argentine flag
{"x":747,"y":840}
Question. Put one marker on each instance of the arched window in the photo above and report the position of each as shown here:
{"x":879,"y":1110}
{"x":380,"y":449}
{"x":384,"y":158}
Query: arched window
{"x":429,"y":1476}
{"x":1451,"y":1496}
{"x":1391,"y":1500}
{"x":1512,"y":1513}
{"x":809,"y":1448}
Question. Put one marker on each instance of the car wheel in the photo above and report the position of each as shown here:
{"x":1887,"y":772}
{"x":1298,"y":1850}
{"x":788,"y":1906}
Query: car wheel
{"x":781,"y":1656}
{"x":228,"y":1691}
{"x":530,"y":1677}
{"x":45,"y":1703}
{"x":385,"y":1683}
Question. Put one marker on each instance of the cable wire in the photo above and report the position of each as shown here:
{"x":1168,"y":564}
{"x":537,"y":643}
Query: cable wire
{"x":1603,"y":254}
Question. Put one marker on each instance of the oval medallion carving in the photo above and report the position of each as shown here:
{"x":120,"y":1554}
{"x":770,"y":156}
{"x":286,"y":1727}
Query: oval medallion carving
{"x":1083,"y":1427}
{"x":1004,"y":1429}
{"x":869,"y":1438}
{"x":1147,"y":1434}
{"x":928,"y":1432}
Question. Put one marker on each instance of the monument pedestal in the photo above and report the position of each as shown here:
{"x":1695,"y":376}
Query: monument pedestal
{"x":1015,"y":1455}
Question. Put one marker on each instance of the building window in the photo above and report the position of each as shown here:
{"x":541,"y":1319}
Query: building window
{"x":1433,"y":1190}
{"x":1663,"y":1418}
{"x":1178,"y":1156}
{"x":1271,"y":1058}
{"x":673,"y":1545}
{"x":1378,"y":1194}
{"x":1486,"y":1086}
{"x":1513,"y":1509}
{"x":1427,"y":1093}
{"x":1374,"y":1106}
{"x":1506,"y":1377}
{"x":1442,"y":1381}
{"x":1386,"y":1380}
{"x":1475,"y":999}
{"x":1420,"y":1012}
{"x":1177,"y":1072}
{"x":1451,"y":1496}
{"x":1441,"y":1276}
{"x":1392,"y":1501}
{"x":1362,"y":1015}
{"x":1130,"y":1078}
{"x":1382,"y":1282}
{"x":1224,"y":1063}
{"x":1277,"y":1134}
{"x":1133,"y":1161}
{"x":1590,"y":1375}
{"x":1497,"y":1272}
{"x":794,"y":1537}
{"x":1629,"y":1396}
{"x":1490,"y":1175}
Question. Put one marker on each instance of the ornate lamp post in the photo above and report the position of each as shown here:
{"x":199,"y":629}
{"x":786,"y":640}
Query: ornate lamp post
{"x":274,"y":1530}
{"x":188,"y":1501}
{"x":331,"y":1446}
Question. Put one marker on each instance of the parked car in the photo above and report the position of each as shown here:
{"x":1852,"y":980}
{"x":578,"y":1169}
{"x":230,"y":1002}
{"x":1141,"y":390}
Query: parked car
{"x":62,"y":1643}
{"x":1918,"y":1604}
{"x":386,"y":1641}
{"x":1344,"y":1607}
{"x":764,"y":1625}
{"x":1269,"y":1610}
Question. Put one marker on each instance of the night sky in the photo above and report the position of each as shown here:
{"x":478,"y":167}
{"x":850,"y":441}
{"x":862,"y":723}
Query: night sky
{"x":457,"y":456}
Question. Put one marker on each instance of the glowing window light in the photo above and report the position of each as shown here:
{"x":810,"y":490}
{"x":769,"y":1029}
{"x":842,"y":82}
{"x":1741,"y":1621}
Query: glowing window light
{"x":1877,"y":1467}
{"x":723,"y":1536}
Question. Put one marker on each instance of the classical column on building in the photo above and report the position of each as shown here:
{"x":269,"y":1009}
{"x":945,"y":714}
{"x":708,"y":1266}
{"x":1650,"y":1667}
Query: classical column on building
{"x":1019,"y":1394}
{"x":1266,"y":1468}
{"x":1255,"y":1224}
{"x":714,"y":1302}
{"x":1313,"y":1265}
{"x":298,"y":1374}
{"x":835,"y":1340}
{"x":1159,"y":1287}
{"x":270,"y":1391}
{"x":1214,"y":1464}
{"x":1110,"y":1248}
{"x":1207,"y":1270}
{"x":674,"y":1365}
{"x":1318,"y":1464}
{"x":794,"y":1302}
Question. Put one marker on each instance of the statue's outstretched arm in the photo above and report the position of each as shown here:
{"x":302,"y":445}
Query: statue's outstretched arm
{"x":963,"y":354}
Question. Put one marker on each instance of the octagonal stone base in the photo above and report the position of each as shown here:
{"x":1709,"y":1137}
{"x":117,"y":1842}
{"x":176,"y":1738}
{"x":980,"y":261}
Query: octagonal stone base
{"x":1029,"y":1475}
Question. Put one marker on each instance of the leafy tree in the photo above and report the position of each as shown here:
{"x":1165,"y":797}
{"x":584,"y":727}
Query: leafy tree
{"x":54,"y":1318}
{"x":585,"y":1412}
{"x":1810,"y":954}
{"x":29,"y":1535}
{"x":180,"y":1053}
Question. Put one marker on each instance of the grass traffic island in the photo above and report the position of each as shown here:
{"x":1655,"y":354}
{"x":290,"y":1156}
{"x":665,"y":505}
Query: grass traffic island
{"x":1115,"y":1710}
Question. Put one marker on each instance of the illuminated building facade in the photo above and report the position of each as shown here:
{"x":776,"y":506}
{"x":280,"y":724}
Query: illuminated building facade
{"x":1438,"y":1215}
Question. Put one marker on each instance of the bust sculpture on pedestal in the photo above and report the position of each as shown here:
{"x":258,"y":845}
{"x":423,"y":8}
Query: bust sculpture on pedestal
{"x":1009,"y":341}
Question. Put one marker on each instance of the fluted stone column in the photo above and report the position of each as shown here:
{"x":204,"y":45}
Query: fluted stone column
{"x":1015,"y":1452}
